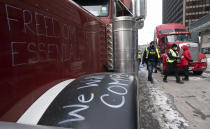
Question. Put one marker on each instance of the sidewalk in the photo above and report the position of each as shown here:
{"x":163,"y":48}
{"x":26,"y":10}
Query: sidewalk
{"x":156,"y":107}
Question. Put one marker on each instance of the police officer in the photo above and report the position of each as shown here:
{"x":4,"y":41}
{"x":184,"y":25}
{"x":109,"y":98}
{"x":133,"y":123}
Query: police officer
{"x":151,"y":55}
{"x":172,"y":58}
{"x":139,"y":57}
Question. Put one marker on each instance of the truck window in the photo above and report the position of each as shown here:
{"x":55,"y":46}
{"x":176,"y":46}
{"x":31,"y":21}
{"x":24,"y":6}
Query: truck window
{"x":165,"y":31}
{"x":180,"y":30}
{"x":179,"y":38}
{"x":97,"y":8}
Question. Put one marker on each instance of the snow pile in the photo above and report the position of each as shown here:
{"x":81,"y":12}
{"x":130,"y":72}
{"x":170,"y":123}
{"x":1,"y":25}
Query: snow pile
{"x":206,"y":75}
{"x":208,"y":60}
{"x":196,"y":78}
{"x":170,"y":118}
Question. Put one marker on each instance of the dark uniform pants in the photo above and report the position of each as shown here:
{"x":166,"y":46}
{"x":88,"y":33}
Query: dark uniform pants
{"x":150,"y":66}
{"x":139,"y":59}
{"x":172,"y":68}
{"x":186,"y":71}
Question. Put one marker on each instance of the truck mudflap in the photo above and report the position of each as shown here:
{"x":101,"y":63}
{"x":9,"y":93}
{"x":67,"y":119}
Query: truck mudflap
{"x":96,"y":101}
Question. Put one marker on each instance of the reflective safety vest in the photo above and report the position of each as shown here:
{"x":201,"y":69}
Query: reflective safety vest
{"x":139,"y":55}
{"x":157,"y":52}
{"x":174,"y":54}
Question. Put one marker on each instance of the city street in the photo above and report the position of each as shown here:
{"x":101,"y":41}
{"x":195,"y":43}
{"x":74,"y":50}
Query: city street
{"x":192,"y":99}
{"x":179,"y":106}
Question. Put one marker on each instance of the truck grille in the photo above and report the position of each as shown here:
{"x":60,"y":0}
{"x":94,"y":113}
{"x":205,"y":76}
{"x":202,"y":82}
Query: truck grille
{"x":194,"y":53}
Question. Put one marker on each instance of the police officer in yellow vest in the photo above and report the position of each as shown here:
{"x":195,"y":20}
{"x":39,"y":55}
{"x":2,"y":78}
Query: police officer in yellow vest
{"x":172,"y":58}
{"x":151,"y":56}
{"x":139,"y":57}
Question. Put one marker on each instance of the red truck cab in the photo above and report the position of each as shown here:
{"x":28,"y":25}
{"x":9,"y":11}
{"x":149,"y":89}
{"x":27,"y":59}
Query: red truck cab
{"x":52,"y":57}
{"x":168,"y":34}
{"x":106,"y":10}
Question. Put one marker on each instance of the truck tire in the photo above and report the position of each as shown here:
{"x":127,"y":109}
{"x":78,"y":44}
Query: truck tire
{"x":197,"y":72}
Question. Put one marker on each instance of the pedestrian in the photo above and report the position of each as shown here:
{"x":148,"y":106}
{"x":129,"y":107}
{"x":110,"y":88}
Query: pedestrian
{"x":186,"y":57}
{"x":150,"y":56}
{"x":156,"y":63}
{"x":155,"y":71}
{"x":139,"y":57}
{"x":172,"y":58}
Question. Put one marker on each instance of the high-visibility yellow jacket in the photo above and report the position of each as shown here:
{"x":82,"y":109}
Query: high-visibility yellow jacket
{"x":139,"y":55}
{"x":152,"y":53}
{"x":172,"y":56}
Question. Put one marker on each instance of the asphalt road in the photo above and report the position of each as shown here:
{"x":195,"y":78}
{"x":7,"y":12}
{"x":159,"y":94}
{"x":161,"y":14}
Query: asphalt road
{"x":191,"y":99}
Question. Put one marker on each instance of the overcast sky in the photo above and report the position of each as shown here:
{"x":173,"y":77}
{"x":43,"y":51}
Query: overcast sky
{"x":154,"y":18}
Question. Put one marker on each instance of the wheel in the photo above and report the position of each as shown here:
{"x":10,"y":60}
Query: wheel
{"x":197,"y":72}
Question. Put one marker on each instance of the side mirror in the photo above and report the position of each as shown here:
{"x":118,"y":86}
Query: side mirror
{"x":199,"y":38}
{"x":163,"y":39}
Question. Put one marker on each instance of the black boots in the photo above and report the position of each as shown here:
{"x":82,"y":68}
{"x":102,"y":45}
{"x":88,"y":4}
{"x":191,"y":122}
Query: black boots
{"x":177,"y":81}
{"x":165,"y":80}
{"x":180,"y":82}
{"x":185,"y":79}
{"x":151,"y":81}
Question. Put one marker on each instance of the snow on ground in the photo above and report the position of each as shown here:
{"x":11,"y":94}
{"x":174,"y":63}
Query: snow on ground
{"x":195,"y":78}
{"x":170,"y":118}
{"x":206,"y":75}
{"x":208,"y":60}
{"x":208,"y":63}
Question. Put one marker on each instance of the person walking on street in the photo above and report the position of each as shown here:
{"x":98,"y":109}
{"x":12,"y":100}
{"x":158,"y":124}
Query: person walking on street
{"x":172,"y":58}
{"x":156,"y":63}
{"x":186,"y":57}
{"x":139,"y":57}
{"x":151,"y":55}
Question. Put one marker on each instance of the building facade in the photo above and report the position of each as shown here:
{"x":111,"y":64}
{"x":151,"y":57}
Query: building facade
{"x":172,"y":11}
{"x":202,"y":28}
{"x":193,"y":10}
{"x":184,"y":11}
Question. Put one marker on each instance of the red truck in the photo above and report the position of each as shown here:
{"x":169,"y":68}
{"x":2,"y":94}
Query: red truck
{"x":167,"y":34}
{"x":52,"y":57}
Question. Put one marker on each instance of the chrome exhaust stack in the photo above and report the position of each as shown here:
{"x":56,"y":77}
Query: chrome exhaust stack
{"x":125,"y":60}
{"x":125,"y":38}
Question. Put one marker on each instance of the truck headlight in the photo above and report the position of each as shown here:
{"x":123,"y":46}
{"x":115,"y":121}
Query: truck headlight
{"x":204,"y":60}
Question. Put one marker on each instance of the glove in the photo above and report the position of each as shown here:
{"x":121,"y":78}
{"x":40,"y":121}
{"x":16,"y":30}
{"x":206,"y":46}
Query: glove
{"x":182,"y":57}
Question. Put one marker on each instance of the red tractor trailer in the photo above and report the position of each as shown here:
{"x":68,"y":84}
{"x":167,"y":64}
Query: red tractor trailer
{"x":54,"y":56}
{"x":168,"y":34}
{"x":120,"y":16}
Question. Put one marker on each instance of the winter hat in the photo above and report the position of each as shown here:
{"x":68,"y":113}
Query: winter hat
{"x":173,"y":45}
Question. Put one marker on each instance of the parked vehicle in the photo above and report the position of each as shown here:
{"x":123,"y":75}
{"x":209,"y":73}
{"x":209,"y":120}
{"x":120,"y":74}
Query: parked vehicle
{"x":168,"y":34}
{"x":49,"y":46}
{"x":110,"y":12}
